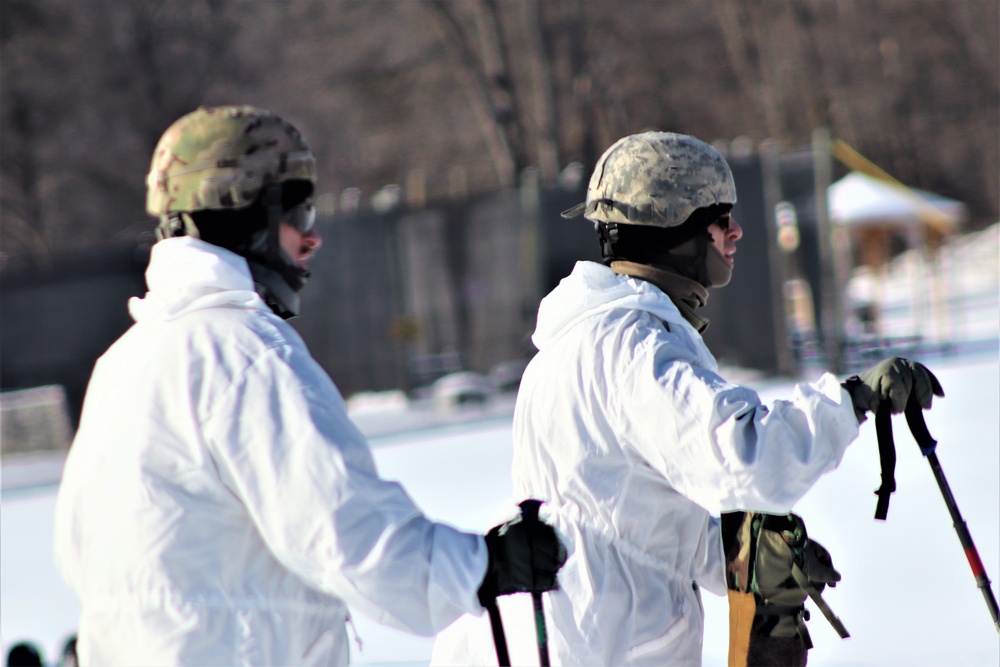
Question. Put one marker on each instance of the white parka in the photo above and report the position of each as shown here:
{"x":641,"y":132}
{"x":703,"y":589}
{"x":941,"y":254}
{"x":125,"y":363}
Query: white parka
{"x":625,"y":429}
{"x":219,"y":508}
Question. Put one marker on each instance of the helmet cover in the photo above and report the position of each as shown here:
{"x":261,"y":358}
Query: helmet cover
{"x":219,"y":158}
{"x":657,"y":179}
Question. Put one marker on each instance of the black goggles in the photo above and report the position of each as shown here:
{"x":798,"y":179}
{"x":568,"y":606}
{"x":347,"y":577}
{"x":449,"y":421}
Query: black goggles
{"x":302,"y":217}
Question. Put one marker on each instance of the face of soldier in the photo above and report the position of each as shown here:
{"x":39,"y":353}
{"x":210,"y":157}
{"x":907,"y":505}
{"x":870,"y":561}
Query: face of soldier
{"x":725,"y":233}
{"x":300,"y":246}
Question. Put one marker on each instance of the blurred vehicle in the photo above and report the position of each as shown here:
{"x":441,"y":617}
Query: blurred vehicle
{"x":506,"y":376}
{"x":461,"y":389}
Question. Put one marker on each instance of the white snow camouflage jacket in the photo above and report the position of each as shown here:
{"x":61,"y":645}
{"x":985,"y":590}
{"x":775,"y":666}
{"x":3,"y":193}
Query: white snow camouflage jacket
{"x":625,"y":429}
{"x":219,"y":508}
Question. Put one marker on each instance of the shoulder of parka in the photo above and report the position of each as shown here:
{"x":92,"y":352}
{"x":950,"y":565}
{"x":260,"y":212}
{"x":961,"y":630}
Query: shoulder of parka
{"x":634,"y":345}
{"x":216,"y":348}
{"x":245,"y":332}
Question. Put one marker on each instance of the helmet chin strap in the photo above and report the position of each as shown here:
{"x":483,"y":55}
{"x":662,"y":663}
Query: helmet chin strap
{"x":176,"y":224}
{"x":271,"y":198}
{"x":277,"y":293}
{"x":689,"y":258}
{"x":276,"y":276}
{"x":688,"y":250}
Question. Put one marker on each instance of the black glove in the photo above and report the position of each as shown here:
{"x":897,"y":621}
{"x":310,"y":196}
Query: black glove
{"x":818,"y":566}
{"x":894,"y":381}
{"x":524,"y":556}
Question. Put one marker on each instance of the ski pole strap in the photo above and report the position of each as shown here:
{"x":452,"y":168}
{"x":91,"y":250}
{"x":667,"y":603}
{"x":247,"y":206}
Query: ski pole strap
{"x":887,"y":448}
{"x":918,"y":427}
{"x":887,"y":457}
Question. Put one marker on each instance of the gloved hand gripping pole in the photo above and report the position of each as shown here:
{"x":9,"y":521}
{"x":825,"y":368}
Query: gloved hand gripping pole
{"x":535,"y":573}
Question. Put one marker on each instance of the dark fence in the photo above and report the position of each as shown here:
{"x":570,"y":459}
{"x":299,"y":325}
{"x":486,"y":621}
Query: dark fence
{"x":401,"y":297}
{"x":57,"y":317}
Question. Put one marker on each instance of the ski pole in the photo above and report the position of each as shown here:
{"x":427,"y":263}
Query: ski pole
{"x":887,"y":458}
{"x":529,"y":514}
{"x":918,"y":427}
{"x":499,"y":638}
{"x":543,"y":639}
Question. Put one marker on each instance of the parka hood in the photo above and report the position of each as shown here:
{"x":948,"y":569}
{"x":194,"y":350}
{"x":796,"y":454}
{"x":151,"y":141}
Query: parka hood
{"x":186,"y":274}
{"x":592,"y":289}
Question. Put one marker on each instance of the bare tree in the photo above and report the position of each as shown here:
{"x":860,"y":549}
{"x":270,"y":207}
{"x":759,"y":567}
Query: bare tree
{"x":29,"y":35}
{"x":439,"y":92}
{"x":477,"y":49}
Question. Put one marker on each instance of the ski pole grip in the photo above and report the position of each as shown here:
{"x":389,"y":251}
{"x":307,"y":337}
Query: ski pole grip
{"x":529,"y":510}
{"x":918,"y":427}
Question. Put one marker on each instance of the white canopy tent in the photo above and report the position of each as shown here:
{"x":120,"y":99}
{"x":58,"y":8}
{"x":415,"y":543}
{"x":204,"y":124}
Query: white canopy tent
{"x":870,"y":208}
{"x":859,"y":200}
{"x":869,"y":214}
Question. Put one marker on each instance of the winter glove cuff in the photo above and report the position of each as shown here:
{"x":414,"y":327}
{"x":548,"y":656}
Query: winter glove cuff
{"x":862,"y":397}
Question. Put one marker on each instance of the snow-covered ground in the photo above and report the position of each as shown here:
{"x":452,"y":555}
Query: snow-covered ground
{"x":907,"y":596}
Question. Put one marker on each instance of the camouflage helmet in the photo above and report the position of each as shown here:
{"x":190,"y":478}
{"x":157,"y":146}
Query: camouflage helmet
{"x":656,"y":179}
{"x":218,"y":158}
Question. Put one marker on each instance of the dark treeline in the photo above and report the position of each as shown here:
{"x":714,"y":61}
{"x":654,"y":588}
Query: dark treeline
{"x":447,"y":96}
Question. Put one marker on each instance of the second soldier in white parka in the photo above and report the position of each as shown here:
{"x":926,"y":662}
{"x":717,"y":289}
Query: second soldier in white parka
{"x":625,"y":428}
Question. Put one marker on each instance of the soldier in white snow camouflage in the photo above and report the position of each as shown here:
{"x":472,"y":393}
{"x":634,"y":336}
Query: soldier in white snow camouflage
{"x":637,"y":445}
{"x":218,"y":506}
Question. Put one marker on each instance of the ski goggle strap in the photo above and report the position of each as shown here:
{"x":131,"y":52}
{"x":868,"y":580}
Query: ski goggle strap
{"x":302,"y":217}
